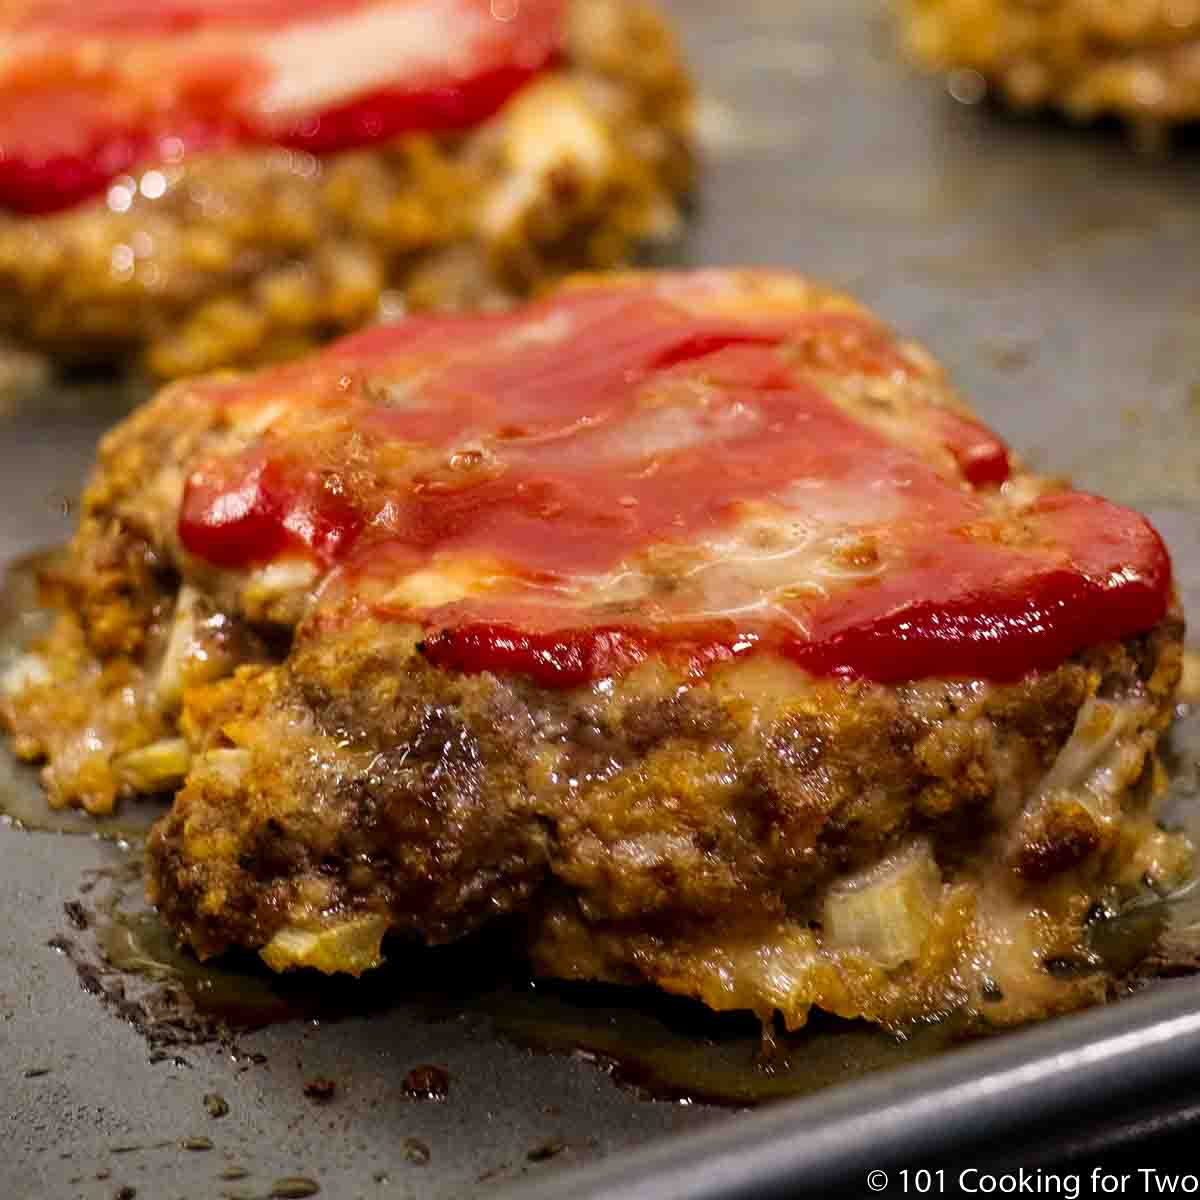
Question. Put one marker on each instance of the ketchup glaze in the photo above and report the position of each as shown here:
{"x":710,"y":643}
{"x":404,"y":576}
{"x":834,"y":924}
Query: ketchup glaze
{"x":93,"y":91}
{"x":616,"y":475}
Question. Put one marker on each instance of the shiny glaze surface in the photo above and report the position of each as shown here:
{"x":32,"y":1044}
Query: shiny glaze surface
{"x":91,"y":92}
{"x":650,"y":469}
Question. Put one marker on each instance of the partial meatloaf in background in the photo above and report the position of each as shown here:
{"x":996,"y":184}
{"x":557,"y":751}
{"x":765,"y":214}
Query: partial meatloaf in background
{"x":1138,"y":59}
{"x":186,"y":190}
{"x":691,"y":622}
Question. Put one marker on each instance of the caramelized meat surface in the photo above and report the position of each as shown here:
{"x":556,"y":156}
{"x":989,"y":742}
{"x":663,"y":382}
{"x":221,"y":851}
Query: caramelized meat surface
{"x":236,"y":249}
{"x":689,"y":621}
{"x":1137,"y":59}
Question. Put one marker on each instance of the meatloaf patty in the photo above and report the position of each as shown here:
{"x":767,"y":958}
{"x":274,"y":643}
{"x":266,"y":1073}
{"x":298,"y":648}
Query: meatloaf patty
{"x":236,"y":250}
{"x":1139,"y":59}
{"x":690,"y":622}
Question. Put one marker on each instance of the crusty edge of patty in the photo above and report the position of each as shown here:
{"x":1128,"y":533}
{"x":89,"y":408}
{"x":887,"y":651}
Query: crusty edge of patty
{"x":259,"y":254}
{"x":1087,"y":61}
{"x":692,"y":837}
{"x":723,"y":838}
{"x":351,"y":789}
{"x":140,"y":619}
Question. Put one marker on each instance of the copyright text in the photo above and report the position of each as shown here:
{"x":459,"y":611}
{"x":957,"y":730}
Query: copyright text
{"x":1147,"y":1181}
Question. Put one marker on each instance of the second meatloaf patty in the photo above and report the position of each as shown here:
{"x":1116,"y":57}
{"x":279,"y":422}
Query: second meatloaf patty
{"x":691,"y":622}
{"x":250,"y":244}
{"x":1137,"y":59}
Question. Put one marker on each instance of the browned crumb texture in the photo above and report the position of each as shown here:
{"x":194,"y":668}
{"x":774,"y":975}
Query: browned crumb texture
{"x":764,"y":842}
{"x":1136,"y":58}
{"x":699,"y":839}
{"x":258,"y":255}
{"x":758,"y":840}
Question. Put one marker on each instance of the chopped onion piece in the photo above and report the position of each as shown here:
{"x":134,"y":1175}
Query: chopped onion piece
{"x":159,"y":767}
{"x":887,"y":912}
{"x":351,"y":947}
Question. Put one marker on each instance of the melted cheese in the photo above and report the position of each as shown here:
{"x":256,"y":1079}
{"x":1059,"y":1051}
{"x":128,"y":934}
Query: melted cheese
{"x":320,"y":64}
{"x":644,"y":461}
{"x":91,"y":92}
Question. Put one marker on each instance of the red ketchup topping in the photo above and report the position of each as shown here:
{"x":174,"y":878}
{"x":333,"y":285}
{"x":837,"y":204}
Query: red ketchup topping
{"x":93,"y":91}
{"x":633,"y":476}
{"x":257,"y":508}
{"x":141,"y":17}
{"x":997,"y":620}
{"x":574,"y":657}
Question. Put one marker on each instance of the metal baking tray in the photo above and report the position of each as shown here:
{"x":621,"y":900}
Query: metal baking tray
{"x":1053,"y":270}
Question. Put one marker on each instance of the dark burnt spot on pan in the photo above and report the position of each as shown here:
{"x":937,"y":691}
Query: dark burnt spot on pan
{"x":545,"y":1151}
{"x":427,"y":1082}
{"x":416,"y":1152}
{"x":294,"y":1187}
{"x":106,"y":951}
{"x":320,"y":1089}
{"x":645,"y":1040}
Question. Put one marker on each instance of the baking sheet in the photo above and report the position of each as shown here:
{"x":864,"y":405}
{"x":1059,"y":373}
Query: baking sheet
{"x":1053,"y":270}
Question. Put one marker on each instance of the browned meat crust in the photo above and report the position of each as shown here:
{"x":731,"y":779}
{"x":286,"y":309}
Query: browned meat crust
{"x":258,"y":255}
{"x":660,"y":834}
{"x":1137,"y":58}
{"x":760,"y":839}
